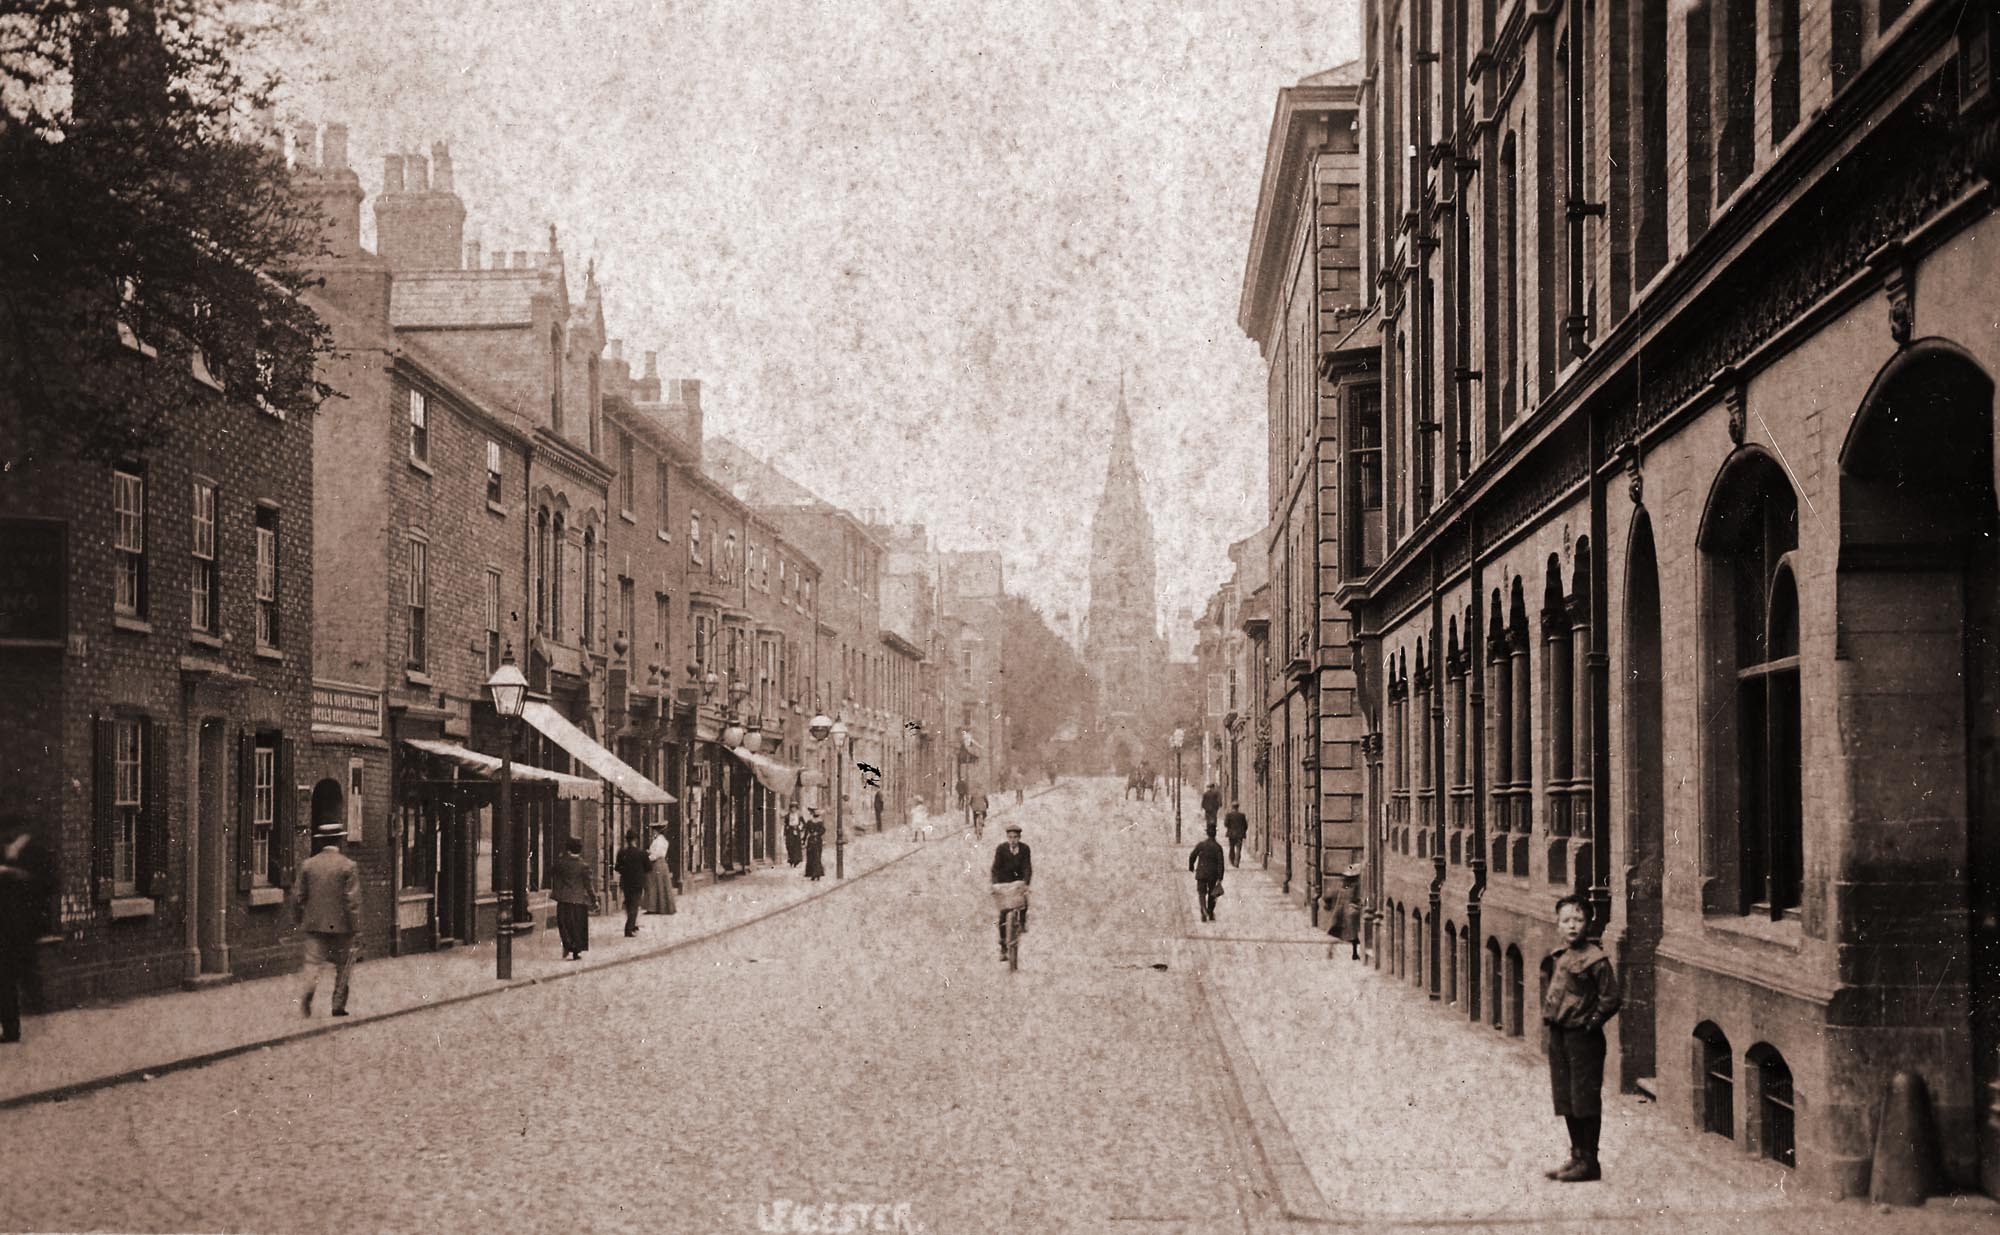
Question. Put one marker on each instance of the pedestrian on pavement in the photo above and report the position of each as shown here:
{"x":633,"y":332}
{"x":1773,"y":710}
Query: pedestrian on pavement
{"x":659,"y":880}
{"x":1211,"y":805}
{"x":24,"y":907}
{"x":1206,"y":861}
{"x":575,"y":896}
{"x":1345,"y":904}
{"x":633,"y":869}
{"x":920,"y":820}
{"x":327,"y":903}
{"x":1154,"y":779}
{"x":795,"y":837}
{"x":978,"y":811}
{"x":1582,"y":994}
{"x":815,"y":841}
{"x":1236,"y":826}
{"x":878,"y":810}
{"x":1013,"y":863}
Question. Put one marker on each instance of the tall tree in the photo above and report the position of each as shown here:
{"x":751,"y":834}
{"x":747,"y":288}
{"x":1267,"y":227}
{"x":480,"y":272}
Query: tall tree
{"x":1046,"y":686}
{"x":142,"y":204}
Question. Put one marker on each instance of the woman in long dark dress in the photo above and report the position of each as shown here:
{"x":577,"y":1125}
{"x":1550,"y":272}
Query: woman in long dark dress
{"x":575,"y":900}
{"x":815,"y":838}
{"x":794,"y":838}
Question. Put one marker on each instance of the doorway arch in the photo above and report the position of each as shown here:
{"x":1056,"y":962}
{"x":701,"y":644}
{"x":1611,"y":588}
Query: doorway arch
{"x":1645,"y":813}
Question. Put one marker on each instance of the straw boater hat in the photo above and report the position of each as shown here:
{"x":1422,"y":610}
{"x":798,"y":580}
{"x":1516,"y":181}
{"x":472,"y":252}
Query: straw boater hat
{"x":331,"y":831}
{"x":1353,"y":871}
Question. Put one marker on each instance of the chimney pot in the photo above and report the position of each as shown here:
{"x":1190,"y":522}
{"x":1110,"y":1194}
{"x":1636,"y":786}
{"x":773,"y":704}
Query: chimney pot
{"x":417,"y":172}
{"x":392,"y":173}
{"x":616,"y":350}
{"x":652,"y":364}
{"x":304,"y":139}
{"x":440,"y":167}
{"x":472,"y":255}
{"x":333,"y":149}
{"x":520,"y":259}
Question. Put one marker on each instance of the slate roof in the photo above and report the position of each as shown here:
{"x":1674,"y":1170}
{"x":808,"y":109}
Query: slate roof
{"x":419,"y":298}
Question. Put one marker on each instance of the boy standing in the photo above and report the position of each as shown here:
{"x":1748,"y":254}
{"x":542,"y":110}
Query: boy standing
{"x":1582,"y":994}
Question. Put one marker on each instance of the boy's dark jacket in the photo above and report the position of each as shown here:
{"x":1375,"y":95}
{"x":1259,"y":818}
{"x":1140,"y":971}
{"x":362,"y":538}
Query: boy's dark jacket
{"x":1582,"y":987}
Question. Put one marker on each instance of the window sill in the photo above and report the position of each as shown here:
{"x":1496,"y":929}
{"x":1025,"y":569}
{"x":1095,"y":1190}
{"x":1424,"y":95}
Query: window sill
{"x":269,"y":653}
{"x":264,"y":898}
{"x":134,"y":344}
{"x":1787,"y":932}
{"x":418,"y":465}
{"x":136,"y":625}
{"x":628,"y":516}
{"x":202,"y":375}
{"x":496,"y":508}
{"x":416,"y":677}
{"x":204,"y":639}
{"x":665,"y":539}
{"x":131,"y":907}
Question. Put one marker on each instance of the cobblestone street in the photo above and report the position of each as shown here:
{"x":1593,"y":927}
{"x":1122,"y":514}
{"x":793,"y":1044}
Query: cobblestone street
{"x":867,"y":1048}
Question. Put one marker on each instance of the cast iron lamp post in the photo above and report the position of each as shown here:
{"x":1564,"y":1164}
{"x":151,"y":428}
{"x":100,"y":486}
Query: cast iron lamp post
{"x":1179,"y":737}
{"x":509,"y":692}
{"x":821,"y":728}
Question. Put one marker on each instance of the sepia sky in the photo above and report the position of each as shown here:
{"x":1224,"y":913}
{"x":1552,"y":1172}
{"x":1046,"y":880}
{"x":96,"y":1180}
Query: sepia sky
{"x":907,"y":247}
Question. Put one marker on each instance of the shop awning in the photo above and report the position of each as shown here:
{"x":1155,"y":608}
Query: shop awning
{"x":623,"y":777}
{"x":777,"y":777}
{"x":573,"y":788}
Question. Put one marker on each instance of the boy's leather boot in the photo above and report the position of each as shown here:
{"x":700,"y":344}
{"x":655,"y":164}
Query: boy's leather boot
{"x":1582,"y":1171}
{"x":1569,"y":1163}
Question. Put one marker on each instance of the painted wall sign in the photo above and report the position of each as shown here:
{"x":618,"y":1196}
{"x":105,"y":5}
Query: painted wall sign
{"x":347,"y":709}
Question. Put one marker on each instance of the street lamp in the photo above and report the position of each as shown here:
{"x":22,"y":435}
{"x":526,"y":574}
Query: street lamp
{"x":839,"y":800}
{"x":1180,"y":736}
{"x":509,"y":692}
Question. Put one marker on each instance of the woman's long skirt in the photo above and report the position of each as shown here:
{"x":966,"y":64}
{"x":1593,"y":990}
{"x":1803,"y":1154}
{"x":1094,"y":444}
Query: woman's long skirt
{"x":792,"y":846}
{"x":659,"y":896}
{"x":815,"y":866}
{"x":573,"y":924}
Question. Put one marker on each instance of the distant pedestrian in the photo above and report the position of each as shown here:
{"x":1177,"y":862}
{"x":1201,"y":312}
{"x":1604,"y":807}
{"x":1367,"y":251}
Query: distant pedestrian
{"x":24,"y":906}
{"x":1345,"y":907}
{"x":920,"y":820}
{"x":1206,"y":861}
{"x":795,"y":838}
{"x":659,"y":880}
{"x":576,"y":899}
{"x":978,"y":813}
{"x":1211,"y":805}
{"x":1582,"y":994}
{"x":878,"y":810}
{"x":633,"y":869}
{"x":1155,"y":780}
{"x":815,"y":841}
{"x":327,"y":903}
{"x":1236,"y":826}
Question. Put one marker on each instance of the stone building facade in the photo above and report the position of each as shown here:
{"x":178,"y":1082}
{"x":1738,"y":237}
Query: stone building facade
{"x":1302,"y":290}
{"x":1687,"y":588}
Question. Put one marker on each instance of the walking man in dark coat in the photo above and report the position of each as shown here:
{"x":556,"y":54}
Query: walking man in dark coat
{"x":1236,"y":825}
{"x":632,"y":867}
{"x":576,"y":899}
{"x":327,"y":903}
{"x":1582,"y":994}
{"x":1206,"y":861}
{"x":24,"y":903}
{"x":1211,"y":806}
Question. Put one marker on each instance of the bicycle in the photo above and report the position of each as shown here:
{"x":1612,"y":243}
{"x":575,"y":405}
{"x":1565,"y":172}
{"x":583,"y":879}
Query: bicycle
{"x":1012,"y":898}
{"x":978,"y":825}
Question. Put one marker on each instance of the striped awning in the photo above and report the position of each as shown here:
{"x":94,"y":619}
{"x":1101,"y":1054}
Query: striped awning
{"x":623,"y":777}
{"x":572,"y":788}
{"x":781,"y":778}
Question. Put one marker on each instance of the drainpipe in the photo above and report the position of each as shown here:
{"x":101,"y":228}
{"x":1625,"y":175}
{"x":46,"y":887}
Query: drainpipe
{"x":1475,"y":706}
{"x":1599,"y":668}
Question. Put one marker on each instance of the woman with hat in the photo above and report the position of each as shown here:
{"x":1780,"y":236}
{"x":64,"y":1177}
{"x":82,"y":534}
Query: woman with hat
{"x":659,"y":882}
{"x":815,"y":838}
{"x":1346,"y":907}
{"x":575,"y":897}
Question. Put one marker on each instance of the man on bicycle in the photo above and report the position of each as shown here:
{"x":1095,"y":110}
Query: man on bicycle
{"x":1012,"y":863}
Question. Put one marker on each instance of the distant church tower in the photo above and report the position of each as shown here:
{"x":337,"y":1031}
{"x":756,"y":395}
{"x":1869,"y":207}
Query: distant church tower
{"x":1122,"y":642}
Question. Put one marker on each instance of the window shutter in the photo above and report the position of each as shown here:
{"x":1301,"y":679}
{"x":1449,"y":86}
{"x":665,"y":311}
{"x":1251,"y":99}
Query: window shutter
{"x":103,"y":812}
{"x":284,"y":845}
{"x":155,"y":838}
{"x":246,"y":803}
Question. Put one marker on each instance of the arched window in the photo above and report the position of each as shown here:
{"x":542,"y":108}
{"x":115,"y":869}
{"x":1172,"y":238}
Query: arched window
{"x":1458,"y":743}
{"x":1507,"y":229}
{"x":1699,"y":141}
{"x":1500,"y":738}
{"x":1417,"y":947}
{"x":542,"y":570}
{"x":1425,"y":758}
{"x":1558,"y":725}
{"x":1749,"y":531}
{"x":1494,"y":991}
{"x":557,"y":534}
{"x":1516,"y":993}
{"x":1770,"y":1104}
{"x":589,"y":584}
{"x":1784,"y":19}
{"x":1450,"y":958}
{"x":555,"y":379}
{"x":1715,"y":1081}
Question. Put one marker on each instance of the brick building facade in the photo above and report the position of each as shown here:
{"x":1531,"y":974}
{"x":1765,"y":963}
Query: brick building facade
{"x":1687,"y":586}
{"x":156,"y":659}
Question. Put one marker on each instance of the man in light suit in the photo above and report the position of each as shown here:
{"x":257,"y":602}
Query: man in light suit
{"x":327,"y":903}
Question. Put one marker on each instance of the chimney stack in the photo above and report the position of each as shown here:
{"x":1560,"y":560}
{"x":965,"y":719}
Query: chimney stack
{"x":441,"y":167}
{"x":520,"y":259}
{"x":419,"y":226}
{"x":615,"y":351}
{"x":304,"y":140}
{"x":472,"y":255}
{"x":333,"y":149}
